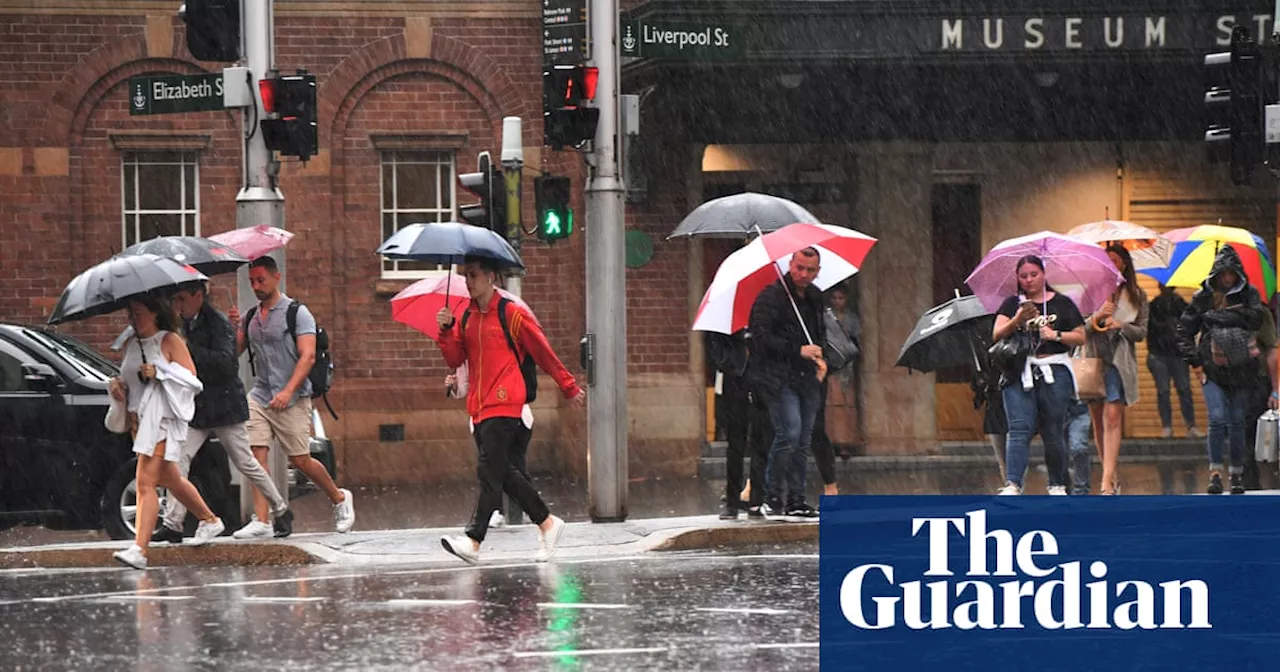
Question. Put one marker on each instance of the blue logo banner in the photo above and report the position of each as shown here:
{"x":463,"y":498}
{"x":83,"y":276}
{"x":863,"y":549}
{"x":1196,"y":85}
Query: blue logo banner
{"x":1120,"y":584}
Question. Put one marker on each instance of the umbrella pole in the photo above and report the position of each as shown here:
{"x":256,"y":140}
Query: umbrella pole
{"x":792,"y":298}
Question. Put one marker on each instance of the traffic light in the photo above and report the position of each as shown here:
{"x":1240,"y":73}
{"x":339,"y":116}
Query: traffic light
{"x":491,"y":211}
{"x":213,"y":29}
{"x":551,"y":201}
{"x":291,"y":102}
{"x":1234,"y":106}
{"x":565,"y":121}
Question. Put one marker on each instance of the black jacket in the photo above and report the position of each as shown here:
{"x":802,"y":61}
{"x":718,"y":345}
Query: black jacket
{"x":1162,"y":325}
{"x":1243,"y":310}
{"x":212,"y":342}
{"x":776,"y":336}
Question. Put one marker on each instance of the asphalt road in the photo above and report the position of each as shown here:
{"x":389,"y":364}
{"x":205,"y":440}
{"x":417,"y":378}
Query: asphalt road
{"x":747,"y":610}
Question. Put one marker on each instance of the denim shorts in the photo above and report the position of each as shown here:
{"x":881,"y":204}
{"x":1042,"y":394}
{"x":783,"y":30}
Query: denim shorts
{"x":1115,"y":386}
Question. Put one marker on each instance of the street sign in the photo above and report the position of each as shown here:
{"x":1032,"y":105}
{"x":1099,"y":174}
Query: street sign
{"x":175,"y":93}
{"x":644,"y":38}
{"x":564,"y":32}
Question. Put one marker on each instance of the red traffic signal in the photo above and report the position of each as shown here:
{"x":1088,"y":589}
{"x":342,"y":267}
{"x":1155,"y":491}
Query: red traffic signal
{"x":568,"y":86}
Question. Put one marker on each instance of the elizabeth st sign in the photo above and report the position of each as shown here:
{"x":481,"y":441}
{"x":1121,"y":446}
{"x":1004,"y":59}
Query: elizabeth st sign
{"x":175,"y":93}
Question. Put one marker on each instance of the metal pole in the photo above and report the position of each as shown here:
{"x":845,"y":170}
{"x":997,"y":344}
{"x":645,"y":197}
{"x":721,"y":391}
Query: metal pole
{"x":512,"y":172}
{"x":606,"y":283}
{"x":259,"y":200}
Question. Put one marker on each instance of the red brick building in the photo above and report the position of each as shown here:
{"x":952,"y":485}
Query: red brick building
{"x":409,"y":92}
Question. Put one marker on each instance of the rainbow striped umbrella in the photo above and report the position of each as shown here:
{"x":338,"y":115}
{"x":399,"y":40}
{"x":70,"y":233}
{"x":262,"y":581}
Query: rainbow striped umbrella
{"x":1195,"y":247}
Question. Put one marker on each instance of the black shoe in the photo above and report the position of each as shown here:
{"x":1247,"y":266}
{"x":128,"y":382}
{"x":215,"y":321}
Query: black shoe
{"x":1215,"y":483}
{"x":801,"y":510}
{"x":283,"y":524}
{"x":1237,"y":484}
{"x":754,"y":513}
{"x":167,"y":535}
{"x":728,"y":512}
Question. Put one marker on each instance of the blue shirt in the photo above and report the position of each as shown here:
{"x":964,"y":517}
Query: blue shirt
{"x":275,"y":355}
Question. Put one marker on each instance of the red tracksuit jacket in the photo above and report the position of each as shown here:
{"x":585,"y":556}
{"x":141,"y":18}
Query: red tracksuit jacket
{"x":496,"y":385}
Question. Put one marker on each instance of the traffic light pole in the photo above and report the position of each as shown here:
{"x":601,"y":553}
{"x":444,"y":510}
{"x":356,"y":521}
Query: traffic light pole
{"x":259,"y":200}
{"x":606,"y":284}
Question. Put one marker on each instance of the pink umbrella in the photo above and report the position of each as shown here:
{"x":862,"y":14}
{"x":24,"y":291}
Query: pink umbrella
{"x":254,"y":242}
{"x":1079,"y":269}
{"x":418,"y":304}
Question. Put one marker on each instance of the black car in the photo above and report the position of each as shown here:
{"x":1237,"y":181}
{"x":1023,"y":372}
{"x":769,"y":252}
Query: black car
{"x":59,"y":466}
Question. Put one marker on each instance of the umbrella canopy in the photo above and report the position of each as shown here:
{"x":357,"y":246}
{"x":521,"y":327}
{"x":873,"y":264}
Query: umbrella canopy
{"x":742,"y":216}
{"x":947,"y":335}
{"x":109,"y":285}
{"x":1195,"y":247}
{"x":1081,"y":270}
{"x":255,"y":241}
{"x":418,"y":304}
{"x":207,"y":256}
{"x":726,"y":307}
{"x":1147,"y":248}
{"x":446,"y":243}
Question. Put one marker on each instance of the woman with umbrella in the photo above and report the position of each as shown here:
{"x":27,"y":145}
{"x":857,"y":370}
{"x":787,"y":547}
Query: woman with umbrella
{"x":1112,"y":332}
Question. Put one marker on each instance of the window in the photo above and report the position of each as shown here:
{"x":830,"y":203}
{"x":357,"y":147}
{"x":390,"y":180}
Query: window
{"x":417,"y":187}
{"x":11,"y":378}
{"x":161,"y":195}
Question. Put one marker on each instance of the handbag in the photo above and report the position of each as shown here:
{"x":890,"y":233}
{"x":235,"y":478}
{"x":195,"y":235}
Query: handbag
{"x":1009,"y":354}
{"x":117,"y":420}
{"x":1090,"y":375}
{"x":1232,"y":346}
{"x":839,"y":350}
{"x":1266,"y":445}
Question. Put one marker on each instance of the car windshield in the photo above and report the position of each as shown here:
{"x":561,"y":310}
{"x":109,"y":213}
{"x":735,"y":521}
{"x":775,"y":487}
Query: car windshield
{"x":80,"y":356}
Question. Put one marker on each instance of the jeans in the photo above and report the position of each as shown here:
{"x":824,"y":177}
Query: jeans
{"x":1078,"y":430}
{"x":500,"y":443}
{"x":793,"y":411}
{"x":1042,"y":409}
{"x":235,"y":443}
{"x":1164,"y":367}
{"x":1227,"y":407}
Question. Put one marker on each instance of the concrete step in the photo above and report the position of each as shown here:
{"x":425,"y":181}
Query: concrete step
{"x":1146,"y":447}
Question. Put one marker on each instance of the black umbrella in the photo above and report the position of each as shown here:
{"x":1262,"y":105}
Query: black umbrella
{"x":448,"y":243}
{"x":108,"y":286}
{"x":948,"y":335}
{"x":207,"y":256}
{"x":742,"y":216}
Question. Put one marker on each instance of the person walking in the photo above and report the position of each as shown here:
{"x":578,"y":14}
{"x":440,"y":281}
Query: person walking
{"x":1217,"y":338}
{"x":1036,"y":394}
{"x":497,"y":393}
{"x":788,"y":369}
{"x":280,"y":401}
{"x":1166,"y":366}
{"x":158,"y":386}
{"x":221,"y":410}
{"x":729,"y":356}
{"x":1112,"y":331}
{"x":1076,"y":435}
{"x":837,"y":391}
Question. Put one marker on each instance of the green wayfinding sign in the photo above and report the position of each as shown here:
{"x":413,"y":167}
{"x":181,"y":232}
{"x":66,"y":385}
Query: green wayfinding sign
{"x":643,"y":38}
{"x":175,"y":93}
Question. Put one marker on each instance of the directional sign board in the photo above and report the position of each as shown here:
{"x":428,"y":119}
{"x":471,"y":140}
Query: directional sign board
{"x":175,"y":93}
{"x":564,"y":32}
{"x":645,"y":38}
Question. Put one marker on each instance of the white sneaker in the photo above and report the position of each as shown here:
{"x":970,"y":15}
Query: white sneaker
{"x":497,"y":520}
{"x":344,"y":512}
{"x":1166,"y":433}
{"x":1058,"y":490}
{"x":461,"y":546}
{"x":132,"y":556}
{"x":1193,"y":433}
{"x":256,"y":529}
{"x":547,"y":540}
{"x":1010,"y":489}
{"x":207,"y":532}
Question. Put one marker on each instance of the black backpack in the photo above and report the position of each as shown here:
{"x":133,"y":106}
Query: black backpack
{"x":528,"y":368}
{"x":321,"y":375}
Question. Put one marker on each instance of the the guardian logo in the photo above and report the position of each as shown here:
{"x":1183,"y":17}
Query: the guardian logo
{"x":1054,"y":595}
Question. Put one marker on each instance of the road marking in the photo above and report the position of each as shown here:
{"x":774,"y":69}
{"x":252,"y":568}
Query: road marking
{"x":150,"y":598}
{"x":764,"y":611}
{"x":428,"y":603}
{"x":265,"y":599}
{"x":788,"y":645}
{"x":588,"y":652}
{"x":580,"y":605}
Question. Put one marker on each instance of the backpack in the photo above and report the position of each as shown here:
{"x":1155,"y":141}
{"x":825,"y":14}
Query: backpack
{"x":1231,"y":346}
{"x":321,"y":375}
{"x":528,"y":368}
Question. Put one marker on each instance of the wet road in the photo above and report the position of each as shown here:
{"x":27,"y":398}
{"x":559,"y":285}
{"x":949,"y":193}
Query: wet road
{"x":755,"y":610}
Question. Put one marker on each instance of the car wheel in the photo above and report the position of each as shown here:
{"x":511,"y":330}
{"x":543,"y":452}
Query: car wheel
{"x":120,"y":502}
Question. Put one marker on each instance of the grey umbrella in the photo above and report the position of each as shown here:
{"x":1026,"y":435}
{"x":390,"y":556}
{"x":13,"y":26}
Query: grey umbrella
{"x":109,"y":285}
{"x":742,"y":216}
{"x":207,"y":256}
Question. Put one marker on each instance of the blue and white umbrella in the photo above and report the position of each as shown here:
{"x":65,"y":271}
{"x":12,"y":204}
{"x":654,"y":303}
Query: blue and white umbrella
{"x":447,"y":243}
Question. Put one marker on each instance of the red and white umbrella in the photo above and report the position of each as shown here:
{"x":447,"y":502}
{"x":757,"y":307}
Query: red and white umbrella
{"x":255,"y":241}
{"x":418,"y":304}
{"x":726,"y":307}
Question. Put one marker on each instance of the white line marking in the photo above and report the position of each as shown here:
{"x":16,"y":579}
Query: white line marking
{"x":428,"y":603}
{"x":580,"y":605}
{"x":762,"y":611}
{"x":282,"y":600}
{"x":588,"y":652}
{"x":789,"y":645}
{"x":149,"y":598}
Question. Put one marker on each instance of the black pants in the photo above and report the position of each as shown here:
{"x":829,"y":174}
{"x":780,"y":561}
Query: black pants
{"x":500,"y":444}
{"x":823,"y":452}
{"x":749,"y":433}
{"x":520,"y":459}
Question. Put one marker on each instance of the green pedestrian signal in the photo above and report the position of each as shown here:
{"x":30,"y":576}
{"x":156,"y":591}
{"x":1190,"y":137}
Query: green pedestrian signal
{"x":551,"y":199}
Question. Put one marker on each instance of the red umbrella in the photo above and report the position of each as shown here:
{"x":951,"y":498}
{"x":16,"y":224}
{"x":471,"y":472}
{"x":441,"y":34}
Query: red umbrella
{"x":254,"y":242}
{"x":418,"y":304}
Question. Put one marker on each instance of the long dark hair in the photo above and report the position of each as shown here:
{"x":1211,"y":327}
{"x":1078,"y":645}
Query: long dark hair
{"x":1131,"y":287}
{"x":160,"y":305}
{"x":1034,"y":261}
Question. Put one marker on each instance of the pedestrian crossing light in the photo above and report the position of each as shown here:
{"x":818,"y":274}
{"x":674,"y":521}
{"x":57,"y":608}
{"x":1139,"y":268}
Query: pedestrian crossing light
{"x":551,"y":200}
{"x":1233,"y":103}
{"x":290,"y":104}
{"x":213,"y":29}
{"x":490,"y":187}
